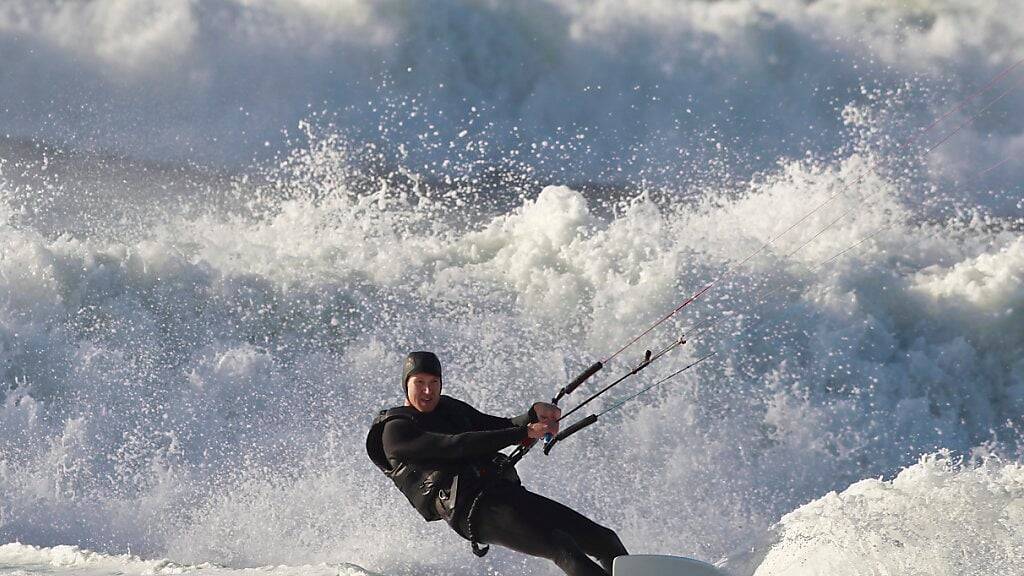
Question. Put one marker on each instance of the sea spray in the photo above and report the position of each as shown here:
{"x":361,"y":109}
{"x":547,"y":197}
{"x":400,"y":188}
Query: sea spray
{"x":938,"y":516}
{"x":202,"y":393}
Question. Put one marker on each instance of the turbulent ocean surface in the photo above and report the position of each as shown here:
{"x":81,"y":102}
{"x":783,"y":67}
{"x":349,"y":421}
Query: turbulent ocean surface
{"x":223,"y":224}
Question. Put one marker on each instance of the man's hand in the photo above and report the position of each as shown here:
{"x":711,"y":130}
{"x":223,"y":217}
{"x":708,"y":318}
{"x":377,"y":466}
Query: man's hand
{"x":537,"y":430}
{"x":545,"y":411}
{"x":548,"y":414}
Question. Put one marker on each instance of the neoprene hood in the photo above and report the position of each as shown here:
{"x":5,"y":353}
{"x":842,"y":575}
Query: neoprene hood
{"x":420,"y":362}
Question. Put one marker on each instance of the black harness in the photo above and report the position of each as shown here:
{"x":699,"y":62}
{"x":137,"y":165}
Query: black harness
{"x":433,"y":491}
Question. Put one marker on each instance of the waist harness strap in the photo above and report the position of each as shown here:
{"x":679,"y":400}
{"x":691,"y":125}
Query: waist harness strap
{"x":480,"y":552}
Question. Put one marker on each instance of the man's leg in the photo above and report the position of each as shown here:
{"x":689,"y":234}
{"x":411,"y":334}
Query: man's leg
{"x":596,"y":540}
{"x":508,"y":519}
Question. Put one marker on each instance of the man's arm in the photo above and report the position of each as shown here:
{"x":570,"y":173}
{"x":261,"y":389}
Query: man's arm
{"x":481,"y":421}
{"x":403,"y":440}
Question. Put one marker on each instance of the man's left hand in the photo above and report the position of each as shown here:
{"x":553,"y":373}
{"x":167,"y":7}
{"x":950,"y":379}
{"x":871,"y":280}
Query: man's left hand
{"x":548,"y":413}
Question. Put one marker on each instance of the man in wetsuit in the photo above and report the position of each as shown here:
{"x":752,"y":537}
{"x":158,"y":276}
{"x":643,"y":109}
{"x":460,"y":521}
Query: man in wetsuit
{"x":443,"y":455}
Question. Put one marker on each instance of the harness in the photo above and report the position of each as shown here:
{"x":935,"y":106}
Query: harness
{"x":433,"y":491}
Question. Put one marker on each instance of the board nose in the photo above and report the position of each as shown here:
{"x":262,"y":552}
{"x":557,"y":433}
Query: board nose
{"x":659,"y":565}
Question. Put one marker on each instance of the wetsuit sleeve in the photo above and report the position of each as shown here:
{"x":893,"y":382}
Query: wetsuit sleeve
{"x":523,"y":419}
{"x":483,"y":421}
{"x":404,"y":440}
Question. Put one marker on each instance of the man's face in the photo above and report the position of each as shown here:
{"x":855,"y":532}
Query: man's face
{"x":423,"y":391}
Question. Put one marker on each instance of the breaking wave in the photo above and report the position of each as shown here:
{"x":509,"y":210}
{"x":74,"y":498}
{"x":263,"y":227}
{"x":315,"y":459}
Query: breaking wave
{"x":189,"y":356}
{"x":603,"y":91}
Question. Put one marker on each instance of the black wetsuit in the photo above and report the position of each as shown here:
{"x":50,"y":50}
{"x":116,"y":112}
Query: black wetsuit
{"x":457,"y":436}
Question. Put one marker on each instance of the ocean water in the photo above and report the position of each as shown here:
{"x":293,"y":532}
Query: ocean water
{"x":224,"y":224}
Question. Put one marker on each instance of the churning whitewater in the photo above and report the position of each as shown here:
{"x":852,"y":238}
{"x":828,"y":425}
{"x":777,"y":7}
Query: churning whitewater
{"x":205,"y":299}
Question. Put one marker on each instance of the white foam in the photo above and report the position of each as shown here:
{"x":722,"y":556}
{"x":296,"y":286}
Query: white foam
{"x":200,"y":389}
{"x":935,"y":517}
{"x":591,"y":83}
{"x":23,"y":559}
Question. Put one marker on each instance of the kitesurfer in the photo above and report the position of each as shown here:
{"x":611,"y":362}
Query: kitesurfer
{"x":443,"y":455}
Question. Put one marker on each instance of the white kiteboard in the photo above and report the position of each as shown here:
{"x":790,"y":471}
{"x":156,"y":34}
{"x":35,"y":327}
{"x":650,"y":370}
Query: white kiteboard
{"x":654,"y":565}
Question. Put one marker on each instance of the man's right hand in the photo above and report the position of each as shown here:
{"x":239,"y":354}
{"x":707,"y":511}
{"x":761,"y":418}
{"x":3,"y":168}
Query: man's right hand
{"x":537,"y":430}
